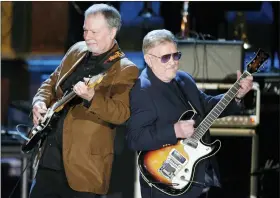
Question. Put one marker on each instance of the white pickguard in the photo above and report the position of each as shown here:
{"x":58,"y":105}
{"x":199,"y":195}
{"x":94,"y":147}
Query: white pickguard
{"x":183,"y":177}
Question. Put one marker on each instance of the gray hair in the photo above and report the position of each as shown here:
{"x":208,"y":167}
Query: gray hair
{"x":110,"y":13}
{"x":157,"y":37}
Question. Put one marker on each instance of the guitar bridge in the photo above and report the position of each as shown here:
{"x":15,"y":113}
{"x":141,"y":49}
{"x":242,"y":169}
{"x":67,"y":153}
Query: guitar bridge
{"x":167,"y":170}
{"x":172,"y":164}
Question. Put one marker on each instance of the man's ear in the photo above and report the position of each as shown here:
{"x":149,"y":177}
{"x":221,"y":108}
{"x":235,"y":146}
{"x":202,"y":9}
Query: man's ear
{"x":113,"y":33}
{"x":147,"y":59}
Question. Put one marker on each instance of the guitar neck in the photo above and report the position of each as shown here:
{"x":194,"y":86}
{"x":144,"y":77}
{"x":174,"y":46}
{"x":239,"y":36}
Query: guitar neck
{"x":64,"y":100}
{"x":218,"y":109}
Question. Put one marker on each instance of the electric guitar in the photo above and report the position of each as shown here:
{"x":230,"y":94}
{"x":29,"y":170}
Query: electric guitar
{"x":38,"y":133}
{"x":171,"y":169}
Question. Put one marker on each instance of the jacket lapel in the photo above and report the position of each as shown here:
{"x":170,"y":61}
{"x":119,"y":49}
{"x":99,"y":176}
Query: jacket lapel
{"x":58,"y":90}
{"x":71,"y":69}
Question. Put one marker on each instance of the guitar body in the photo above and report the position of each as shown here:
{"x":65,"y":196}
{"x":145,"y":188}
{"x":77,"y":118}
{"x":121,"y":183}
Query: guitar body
{"x":171,"y":169}
{"x":39,"y":132}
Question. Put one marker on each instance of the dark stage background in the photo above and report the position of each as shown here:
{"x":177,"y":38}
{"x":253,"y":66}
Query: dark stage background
{"x":35,"y":36}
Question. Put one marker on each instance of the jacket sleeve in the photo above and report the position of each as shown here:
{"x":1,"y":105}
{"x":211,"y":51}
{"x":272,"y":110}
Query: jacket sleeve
{"x":115,"y":108}
{"x":142,"y":131}
{"x":46,"y":92}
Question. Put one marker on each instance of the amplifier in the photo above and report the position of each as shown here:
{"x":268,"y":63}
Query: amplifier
{"x":13,"y":159}
{"x":248,"y":117}
{"x":238,"y":174}
{"x":211,"y":60}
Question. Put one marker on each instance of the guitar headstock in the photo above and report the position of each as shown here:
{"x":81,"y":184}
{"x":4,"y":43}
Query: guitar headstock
{"x":257,"y":62}
{"x":95,"y":80}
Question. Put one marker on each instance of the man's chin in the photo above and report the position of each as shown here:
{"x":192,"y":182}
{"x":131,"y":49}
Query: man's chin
{"x":172,"y":75}
{"x":174,"y":71}
{"x":92,"y":50}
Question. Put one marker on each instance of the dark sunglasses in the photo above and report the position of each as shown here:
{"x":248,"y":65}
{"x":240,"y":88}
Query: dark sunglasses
{"x":165,"y":58}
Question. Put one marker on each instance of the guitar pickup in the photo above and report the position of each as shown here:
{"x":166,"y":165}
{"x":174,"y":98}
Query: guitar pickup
{"x":192,"y":144}
{"x":180,"y":158}
{"x":167,"y":170}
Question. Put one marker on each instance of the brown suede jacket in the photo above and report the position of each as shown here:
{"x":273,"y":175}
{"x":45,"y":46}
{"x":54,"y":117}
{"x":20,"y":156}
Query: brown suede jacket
{"x":87,"y":139}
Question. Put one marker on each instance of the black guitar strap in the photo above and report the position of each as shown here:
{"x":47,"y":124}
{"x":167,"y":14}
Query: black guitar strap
{"x":186,"y":100}
{"x":183,"y":96}
{"x":110,"y":59}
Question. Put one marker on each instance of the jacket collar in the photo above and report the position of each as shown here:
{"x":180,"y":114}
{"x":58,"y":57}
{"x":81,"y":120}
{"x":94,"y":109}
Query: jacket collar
{"x":149,"y":74}
{"x":153,"y":78}
{"x":75,"y":57}
{"x":83,"y":51}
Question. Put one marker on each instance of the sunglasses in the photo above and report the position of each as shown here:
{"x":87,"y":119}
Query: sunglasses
{"x":165,"y":58}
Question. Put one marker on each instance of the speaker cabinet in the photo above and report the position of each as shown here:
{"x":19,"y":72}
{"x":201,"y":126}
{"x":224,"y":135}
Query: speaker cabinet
{"x":211,"y":60}
{"x":237,"y":159}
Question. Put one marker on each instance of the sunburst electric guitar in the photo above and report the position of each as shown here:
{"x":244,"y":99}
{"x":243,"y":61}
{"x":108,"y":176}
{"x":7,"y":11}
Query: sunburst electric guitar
{"x":37,"y":134}
{"x":171,"y":169}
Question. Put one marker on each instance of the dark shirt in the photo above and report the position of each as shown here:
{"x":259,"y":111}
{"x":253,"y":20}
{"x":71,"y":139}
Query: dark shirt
{"x":52,"y":155}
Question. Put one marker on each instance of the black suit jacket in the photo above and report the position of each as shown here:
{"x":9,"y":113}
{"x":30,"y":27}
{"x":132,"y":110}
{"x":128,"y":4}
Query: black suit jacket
{"x":155,"y":108}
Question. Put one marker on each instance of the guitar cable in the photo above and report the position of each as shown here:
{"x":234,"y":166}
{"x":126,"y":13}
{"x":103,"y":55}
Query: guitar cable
{"x":21,"y":175}
{"x":203,"y":184}
{"x":29,"y":160}
{"x":17,"y":132}
{"x":195,"y":182}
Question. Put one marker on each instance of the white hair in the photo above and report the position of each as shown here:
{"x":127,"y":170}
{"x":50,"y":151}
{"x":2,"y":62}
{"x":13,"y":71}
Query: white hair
{"x":110,"y":13}
{"x":157,"y":37}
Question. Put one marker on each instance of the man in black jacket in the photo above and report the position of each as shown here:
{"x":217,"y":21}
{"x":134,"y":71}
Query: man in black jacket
{"x":158,"y":99}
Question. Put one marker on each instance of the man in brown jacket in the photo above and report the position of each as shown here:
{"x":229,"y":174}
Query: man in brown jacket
{"x":77,"y":155}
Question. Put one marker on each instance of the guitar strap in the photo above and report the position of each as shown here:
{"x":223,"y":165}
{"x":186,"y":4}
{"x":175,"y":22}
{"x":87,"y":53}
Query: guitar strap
{"x":110,"y":59}
{"x":186,"y":100}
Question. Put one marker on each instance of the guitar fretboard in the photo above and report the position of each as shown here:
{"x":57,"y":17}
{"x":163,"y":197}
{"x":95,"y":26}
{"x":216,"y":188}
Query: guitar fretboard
{"x":218,"y":109}
{"x":92,"y":82}
{"x":64,"y":100}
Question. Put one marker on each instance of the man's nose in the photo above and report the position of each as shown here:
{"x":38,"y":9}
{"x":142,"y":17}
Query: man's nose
{"x":171,"y":60}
